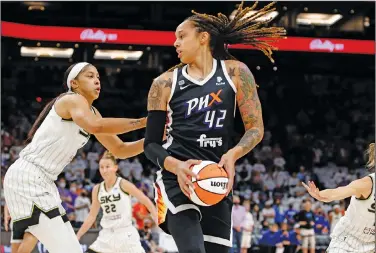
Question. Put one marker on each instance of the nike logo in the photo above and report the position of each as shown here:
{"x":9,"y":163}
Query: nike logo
{"x":181,"y":83}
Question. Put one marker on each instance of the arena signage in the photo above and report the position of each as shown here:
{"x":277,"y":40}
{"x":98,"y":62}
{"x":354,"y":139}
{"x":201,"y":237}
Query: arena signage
{"x":167,"y":38}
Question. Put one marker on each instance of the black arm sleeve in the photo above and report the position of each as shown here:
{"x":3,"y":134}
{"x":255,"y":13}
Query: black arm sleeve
{"x":154,"y":136}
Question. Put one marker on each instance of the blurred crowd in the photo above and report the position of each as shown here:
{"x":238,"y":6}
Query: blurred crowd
{"x":320,"y":135}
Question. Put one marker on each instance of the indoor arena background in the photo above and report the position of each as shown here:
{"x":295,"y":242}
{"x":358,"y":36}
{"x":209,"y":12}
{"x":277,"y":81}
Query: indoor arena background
{"x":318,"y":98}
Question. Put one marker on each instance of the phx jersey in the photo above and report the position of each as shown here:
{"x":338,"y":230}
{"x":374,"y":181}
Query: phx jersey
{"x":201,"y":120}
{"x":201,"y":115}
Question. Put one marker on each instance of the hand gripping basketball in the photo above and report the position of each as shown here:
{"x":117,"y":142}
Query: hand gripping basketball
{"x":185,"y":175}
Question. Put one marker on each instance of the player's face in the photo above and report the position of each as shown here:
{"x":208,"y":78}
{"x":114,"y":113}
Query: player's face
{"x":107,"y":168}
{"x":89,"y":83}
{"x":188,"y":41}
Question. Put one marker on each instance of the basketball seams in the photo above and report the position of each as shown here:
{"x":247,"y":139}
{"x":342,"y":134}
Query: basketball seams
{"x":208,"y":178}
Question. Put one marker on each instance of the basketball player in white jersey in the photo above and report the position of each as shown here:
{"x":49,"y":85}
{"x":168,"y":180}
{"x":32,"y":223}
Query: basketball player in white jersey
{"x":355,"y":231}
{"x":113,"y":195}
{"x":63,"y":127}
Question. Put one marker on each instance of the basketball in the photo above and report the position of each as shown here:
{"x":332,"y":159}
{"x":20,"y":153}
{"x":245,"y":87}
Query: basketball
{"x":211,"y":187}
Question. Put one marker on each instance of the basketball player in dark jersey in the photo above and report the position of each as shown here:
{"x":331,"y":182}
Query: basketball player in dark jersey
{"x":199,"y":97}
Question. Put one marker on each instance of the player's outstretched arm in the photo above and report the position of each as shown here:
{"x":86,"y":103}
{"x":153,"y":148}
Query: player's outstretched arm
{"x":134,"y":191}
{"x":360,"y":188}
{"x":77,"y":108}
{"x":117,"y":147}
{"x":94,"y":209}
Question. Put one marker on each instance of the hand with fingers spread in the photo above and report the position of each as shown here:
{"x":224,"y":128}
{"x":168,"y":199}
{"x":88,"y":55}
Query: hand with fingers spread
{"x":314,"y":191}
{"x":228,"y":163}
{"x":185,"y":175}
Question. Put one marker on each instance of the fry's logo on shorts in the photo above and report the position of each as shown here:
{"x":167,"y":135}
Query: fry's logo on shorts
{"x":223,"y":185}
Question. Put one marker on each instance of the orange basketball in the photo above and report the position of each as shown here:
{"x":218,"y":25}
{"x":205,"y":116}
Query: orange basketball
{"x":211,"y":187}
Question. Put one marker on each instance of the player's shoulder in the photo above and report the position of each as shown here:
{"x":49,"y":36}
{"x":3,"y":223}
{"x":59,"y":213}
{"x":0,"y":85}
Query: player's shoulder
{"x":235,"y":64}
{"x":71,"y":98}
{"x":96,"y":189}
{"x":164,"y":79}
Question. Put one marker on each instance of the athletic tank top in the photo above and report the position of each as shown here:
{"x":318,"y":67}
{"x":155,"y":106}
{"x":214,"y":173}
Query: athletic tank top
{"x":200,"y":115}
{"x":359,"y":219}
{"x":116,"y":205}
{"x":54,"y":144}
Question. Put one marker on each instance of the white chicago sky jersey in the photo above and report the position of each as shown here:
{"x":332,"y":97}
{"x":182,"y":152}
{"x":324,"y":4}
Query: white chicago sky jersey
{"x":359,"y":220}
{"x":116,"y":206}
{"x":54,"y":144}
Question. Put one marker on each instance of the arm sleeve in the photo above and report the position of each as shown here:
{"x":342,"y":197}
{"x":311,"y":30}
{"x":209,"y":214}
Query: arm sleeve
{"x":154,"y":136}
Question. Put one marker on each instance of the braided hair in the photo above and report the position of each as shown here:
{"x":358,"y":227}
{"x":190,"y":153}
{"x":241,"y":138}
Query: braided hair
{"x":242,"y":29}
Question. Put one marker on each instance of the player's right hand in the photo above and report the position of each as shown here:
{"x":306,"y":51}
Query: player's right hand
{"x":185,"y":175}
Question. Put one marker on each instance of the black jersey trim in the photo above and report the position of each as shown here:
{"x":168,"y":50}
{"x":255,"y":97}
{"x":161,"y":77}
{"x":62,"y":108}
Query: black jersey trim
{"x":361,"y":197}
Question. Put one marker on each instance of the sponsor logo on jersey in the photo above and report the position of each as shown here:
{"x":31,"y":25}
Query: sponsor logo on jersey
{"x":181,"y":85}
{"x":219,"y":81}
{"x":209,"y":142}
{"x":203,"y":103}
{"x":223,"y":185}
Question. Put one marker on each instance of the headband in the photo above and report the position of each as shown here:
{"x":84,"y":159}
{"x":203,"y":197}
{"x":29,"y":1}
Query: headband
{"x":74,"y":72}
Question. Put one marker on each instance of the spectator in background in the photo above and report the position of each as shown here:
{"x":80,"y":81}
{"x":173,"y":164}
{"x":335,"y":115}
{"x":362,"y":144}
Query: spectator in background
{"x":268,"y":212}
{"x":140,"y":213}
{"x":247,"y":228}
{"x":279,"y":211}
{"x":321,"y":223}
{"x":125,"y":168}
{"x":302,"y":174}
{"x":295,"y":239}
{"x":271,"y":239}
{"x":306,"y":219}
{"x":82,"y":208}
{"x":136,"y":170}
{"x":290,"y":214}
{"x":65,"y":195}
{"x":334,"y":217}
{"x":293,"y":180}
{"x":238,"y":216}
{"x":257,"y":218}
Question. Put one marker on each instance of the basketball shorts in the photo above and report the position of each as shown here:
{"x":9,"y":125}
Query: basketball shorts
{"x":121,"y":240}
{"x":216,"y":222}
{"x":28,"y":193}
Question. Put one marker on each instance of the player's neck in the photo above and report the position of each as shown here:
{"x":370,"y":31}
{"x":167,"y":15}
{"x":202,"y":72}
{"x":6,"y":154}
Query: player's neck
{"x":89,"y":100}
{"x":110,"y":182}
{"x":202,"y":65}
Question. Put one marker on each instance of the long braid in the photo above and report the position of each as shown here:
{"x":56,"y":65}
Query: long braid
{"x":242,"y":29}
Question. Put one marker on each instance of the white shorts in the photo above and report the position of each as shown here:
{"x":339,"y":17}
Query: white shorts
{"x":308,"y":238}
{"x":246,"y":240}
{"x":28,"y":193}
{"x":350,"y":244}
{"x":119,"y":240}
{"x":27,"y":186}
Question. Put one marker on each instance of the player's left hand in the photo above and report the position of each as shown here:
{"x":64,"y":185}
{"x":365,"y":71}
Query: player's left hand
{"x":314,"y":191}
{"x":228,"y":163}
